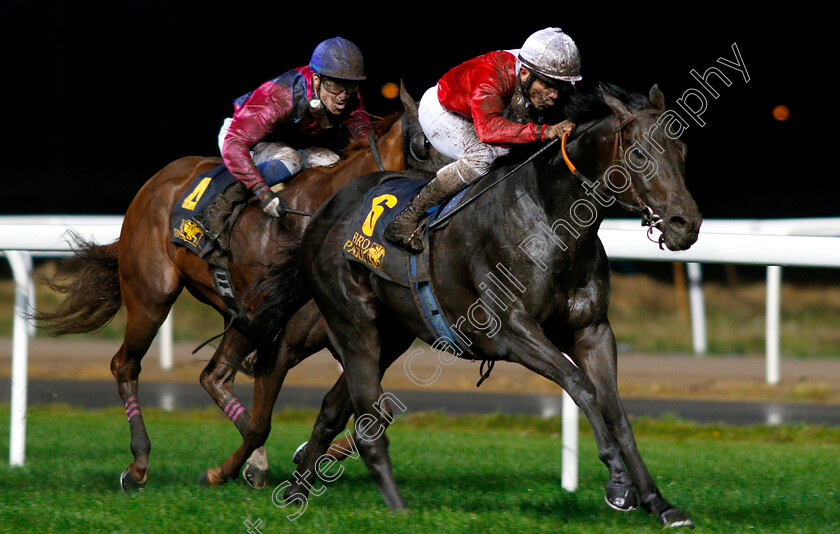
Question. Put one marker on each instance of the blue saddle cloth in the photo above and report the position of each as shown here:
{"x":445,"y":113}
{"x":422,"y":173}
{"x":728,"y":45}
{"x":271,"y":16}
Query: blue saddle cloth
{"x":204,"y":189}
{"x":381,"y":205}
{"x":367,"y":245}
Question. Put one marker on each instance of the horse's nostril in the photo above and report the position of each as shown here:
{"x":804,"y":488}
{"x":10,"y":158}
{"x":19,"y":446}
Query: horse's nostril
{"x":677,"y":222}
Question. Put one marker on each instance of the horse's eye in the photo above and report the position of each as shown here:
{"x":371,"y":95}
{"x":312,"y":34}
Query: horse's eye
{"x":420,"y":147}
{"x":638,"y":153}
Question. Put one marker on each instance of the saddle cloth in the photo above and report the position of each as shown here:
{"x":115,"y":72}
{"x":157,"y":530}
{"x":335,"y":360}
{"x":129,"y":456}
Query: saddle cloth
{"x":186,"y":231}
{"x":367,"y":245}
{"x":381,"y":205}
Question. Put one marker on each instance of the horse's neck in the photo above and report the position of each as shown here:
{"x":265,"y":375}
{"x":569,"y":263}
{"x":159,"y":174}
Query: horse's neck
{"x":567,"y":203}
{"x":389,"y":148}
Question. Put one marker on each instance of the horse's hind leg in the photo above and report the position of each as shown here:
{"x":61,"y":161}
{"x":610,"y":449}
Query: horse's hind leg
{"x":366,"y":357}
{"x":255,"y":433}
{"x":217,"y":379}
{"x":595,"y":349}
{"x":361,"y":364}
{"x":336,"y":409}
{"x":144,"y":317}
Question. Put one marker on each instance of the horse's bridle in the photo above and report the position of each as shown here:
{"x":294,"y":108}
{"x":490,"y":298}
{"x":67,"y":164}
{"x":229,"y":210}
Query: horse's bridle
{"x":648,"y":216}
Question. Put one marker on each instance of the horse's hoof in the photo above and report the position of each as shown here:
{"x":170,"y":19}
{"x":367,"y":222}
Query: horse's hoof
{"x":294,"y":491}
{"x":621,"y":498}
{"x":299,"y":453}
{"x":211,"y":477}
{"x":128,"y":484}
{"x":675,"y":518}
{"x":255,"y":477}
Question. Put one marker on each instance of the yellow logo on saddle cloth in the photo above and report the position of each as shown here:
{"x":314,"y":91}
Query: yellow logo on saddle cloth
{"x":361,"y":247}
{"x":189,"y":232}
{"x":365,"y":250}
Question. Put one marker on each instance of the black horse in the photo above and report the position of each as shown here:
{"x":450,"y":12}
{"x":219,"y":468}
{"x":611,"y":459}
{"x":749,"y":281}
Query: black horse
{"x":536,"y":229}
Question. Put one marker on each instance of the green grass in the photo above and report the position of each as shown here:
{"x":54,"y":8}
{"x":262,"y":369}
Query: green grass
{"x":482,"y":474}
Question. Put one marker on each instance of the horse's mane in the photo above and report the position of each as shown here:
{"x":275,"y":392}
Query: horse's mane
{"x":586,"y":103}
{"x":379,"y":128}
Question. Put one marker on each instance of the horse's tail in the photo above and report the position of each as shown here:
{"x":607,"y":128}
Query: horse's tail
{"x":90,"y":279}
{"x":275,"y":298}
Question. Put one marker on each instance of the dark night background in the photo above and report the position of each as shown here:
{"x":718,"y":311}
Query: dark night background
{"x":100,"y":95}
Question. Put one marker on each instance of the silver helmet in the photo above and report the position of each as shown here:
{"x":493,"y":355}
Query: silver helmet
{"x":552,"y":54}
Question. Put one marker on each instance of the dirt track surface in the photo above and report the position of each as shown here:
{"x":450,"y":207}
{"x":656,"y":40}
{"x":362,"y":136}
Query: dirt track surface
{"x":656,"y":376}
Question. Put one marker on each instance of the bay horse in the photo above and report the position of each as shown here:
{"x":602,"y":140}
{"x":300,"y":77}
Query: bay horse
{"x":538,"y":226}
{"x":146,"y":272}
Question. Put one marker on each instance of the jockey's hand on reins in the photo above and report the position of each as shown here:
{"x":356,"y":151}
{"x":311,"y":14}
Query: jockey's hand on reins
{"x":271,"y":203}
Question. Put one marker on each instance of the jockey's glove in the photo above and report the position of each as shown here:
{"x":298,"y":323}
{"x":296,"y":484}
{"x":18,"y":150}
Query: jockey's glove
{"x":271,"y":203}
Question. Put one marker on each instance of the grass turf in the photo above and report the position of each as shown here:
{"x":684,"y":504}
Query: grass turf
{"x":457,"y":474}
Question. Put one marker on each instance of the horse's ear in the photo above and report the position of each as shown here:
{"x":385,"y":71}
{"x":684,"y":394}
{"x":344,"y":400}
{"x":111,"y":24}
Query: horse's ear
{"x":657,"y":98}
{"x":408,"y":102}
{"x":617,"y":106}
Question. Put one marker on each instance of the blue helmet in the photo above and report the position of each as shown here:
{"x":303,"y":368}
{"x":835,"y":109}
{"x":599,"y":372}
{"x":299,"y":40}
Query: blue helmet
{"x":338,"y":58}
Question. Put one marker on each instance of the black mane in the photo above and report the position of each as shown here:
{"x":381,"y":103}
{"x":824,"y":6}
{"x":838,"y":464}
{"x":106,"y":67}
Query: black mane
{"x":586,"y":103}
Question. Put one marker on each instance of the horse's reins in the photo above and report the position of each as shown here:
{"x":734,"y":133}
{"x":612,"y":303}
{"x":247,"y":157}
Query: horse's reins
{"x":440,"y":220}
{"x":649,"y":218}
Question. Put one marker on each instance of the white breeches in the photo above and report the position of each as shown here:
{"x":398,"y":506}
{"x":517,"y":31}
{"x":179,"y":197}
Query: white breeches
{"x":293,"y":159}
{"x":454,"y":136}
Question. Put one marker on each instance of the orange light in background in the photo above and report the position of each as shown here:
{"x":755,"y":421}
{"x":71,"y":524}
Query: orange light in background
{"x":390,"y":90}
{"x":781,"y":113}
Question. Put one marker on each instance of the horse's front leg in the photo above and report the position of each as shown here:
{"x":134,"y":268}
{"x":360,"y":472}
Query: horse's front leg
{"x":595,"y":350}
{"x":217,"y":378}
{"x":303,"y":335}
{"x":530,"y":347}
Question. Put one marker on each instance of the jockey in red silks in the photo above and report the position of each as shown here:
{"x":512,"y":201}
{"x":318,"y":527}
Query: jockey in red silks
{"x":299,"y":119}
{"x":481,"y":107}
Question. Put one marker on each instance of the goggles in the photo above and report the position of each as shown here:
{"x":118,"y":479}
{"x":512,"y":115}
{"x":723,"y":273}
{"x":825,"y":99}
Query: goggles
{"x":337,"y":87}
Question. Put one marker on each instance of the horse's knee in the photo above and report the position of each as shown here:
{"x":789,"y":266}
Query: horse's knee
{"x":582,"y":390}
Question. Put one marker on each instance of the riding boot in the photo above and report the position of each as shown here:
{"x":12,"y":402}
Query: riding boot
{"x":213,"y":218}
{"x":403,"y":230}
